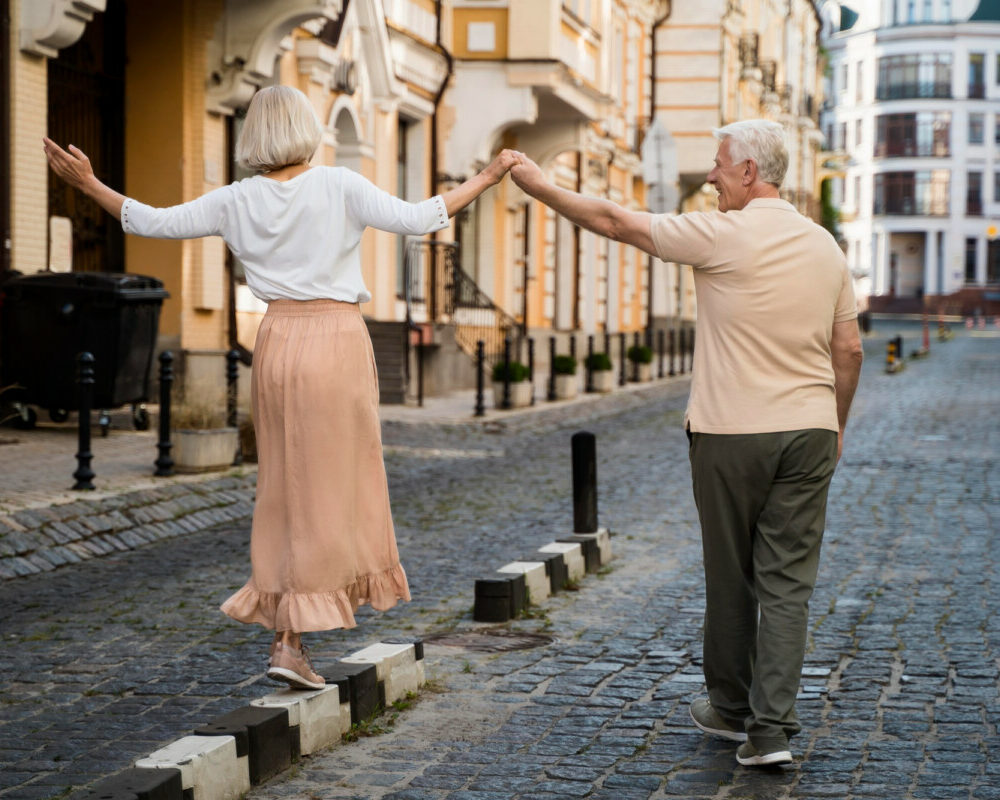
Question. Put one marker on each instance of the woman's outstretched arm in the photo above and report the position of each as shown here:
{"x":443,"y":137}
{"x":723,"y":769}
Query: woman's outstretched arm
{"x":458,"y":198}
{"x":74,"y":168}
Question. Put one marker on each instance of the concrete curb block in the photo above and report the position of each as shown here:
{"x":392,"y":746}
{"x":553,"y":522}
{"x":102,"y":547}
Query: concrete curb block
{"x":503,"y":595}
{"x":222,"y":759}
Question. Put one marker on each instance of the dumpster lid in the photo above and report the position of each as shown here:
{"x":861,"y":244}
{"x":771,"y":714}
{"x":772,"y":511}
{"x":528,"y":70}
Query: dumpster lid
{"x":97,"y":282}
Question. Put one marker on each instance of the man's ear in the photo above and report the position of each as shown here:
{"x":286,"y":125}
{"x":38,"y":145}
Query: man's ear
{"x":750,"y":172}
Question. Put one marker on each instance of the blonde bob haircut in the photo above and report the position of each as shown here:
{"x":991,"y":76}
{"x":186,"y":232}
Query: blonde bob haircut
{"x":758,"y":140}
{"x":280,"y":128}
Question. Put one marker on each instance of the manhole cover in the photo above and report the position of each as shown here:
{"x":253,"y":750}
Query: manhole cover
{"x":490,"y":641}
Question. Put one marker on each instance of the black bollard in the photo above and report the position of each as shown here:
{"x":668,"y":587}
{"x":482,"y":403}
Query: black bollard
{"x":84,"y":475}
{"x":673,"y":352}
{"x":621,"y":359}
{"x":680,"y":348}
{"x":635,"y":364}
{"x":506,"y":373}
{"x":589,"y":384}
{"x":552,"y":373}
{"x":572,"y":345}
{"x":164,"y":463}
{"x":480,"y":370}
{"x":691,"y":350}
{"x":232,"y":396}
{"x":531,"y":367}
{"x":659,"y":348}
{"x":584,"y":446}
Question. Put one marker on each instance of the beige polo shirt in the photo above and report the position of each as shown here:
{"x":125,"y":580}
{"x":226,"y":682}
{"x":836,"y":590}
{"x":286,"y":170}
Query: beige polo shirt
{"x":770,"y":283}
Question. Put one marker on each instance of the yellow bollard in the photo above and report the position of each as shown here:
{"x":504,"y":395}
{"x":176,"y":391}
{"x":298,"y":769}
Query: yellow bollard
{"x":890,"y":357}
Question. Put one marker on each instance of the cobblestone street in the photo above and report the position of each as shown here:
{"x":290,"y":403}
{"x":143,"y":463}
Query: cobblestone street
{"x":105,"y":660}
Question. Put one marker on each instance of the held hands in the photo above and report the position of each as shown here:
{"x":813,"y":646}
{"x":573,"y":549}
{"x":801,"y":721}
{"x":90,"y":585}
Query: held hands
{"x":527,"y":175}
{"x":500,"y":165}
{"x":73,"y":166}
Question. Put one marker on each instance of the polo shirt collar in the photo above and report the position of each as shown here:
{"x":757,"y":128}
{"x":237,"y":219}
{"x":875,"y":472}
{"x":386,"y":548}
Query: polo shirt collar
{"x":771,"y":202}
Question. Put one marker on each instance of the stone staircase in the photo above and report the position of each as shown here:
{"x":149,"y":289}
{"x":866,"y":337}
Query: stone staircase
{"x":389,"y":344}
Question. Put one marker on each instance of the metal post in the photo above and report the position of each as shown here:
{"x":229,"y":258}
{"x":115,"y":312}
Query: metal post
{"x":680,"y":348}
{"x":232,"y":394}
{"x":164,"y":463}
{"x":420,"y":368}
{"x":607,"y":344}
{"x":673,"y":352}
{"x":84,"y":475}
{"x":691,"y":349}
{"x":572,"y":345}
{"x":480,"y":371}
{"x":506,"y":373}
{"x":552,"y":372}
{"x":621,"y":359}
{"x":531,"y":367}
{"x":635,"y":364}
{"x":584,"y":447}
{"x":589,"y":384}
{"x":659,"y":349}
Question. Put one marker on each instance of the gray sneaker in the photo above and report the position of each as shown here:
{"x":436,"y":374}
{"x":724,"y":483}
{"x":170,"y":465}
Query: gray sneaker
{"x":708,"y":720}
{"x":750,"y":756}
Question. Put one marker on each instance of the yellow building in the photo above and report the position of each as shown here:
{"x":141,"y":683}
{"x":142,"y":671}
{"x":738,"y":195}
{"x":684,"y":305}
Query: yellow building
{"x":416,"y":95}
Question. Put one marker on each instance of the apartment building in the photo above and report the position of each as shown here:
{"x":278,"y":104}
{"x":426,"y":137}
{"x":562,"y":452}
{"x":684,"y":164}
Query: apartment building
{"x":914,"y":103}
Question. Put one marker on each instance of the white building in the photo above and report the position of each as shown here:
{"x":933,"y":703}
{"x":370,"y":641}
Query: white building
{"x":914,"y":103}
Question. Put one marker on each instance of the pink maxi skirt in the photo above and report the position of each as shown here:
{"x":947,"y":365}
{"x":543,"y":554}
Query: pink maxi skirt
{"x":322,"y":542}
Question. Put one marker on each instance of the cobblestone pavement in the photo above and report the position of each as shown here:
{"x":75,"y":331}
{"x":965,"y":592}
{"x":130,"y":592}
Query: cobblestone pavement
{"x":103,"y":661}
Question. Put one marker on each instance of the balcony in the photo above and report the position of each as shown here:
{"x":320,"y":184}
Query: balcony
{"x":977,"y":91}
{"x":909,"y":91}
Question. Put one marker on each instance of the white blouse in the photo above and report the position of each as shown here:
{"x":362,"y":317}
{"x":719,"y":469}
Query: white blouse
{"x":297,"y":239}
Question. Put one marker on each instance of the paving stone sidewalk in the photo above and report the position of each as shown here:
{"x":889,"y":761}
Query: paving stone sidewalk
{"x":106,"y":660}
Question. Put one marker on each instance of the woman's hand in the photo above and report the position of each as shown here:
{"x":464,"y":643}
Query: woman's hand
{"x":500,"y":165}
{"x":73,"y":166}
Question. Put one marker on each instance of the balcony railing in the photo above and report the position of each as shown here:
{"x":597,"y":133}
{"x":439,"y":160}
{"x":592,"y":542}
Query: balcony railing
{"x":977,"y":91}
{"x":908,"y":148}
{"x":906,"y":91}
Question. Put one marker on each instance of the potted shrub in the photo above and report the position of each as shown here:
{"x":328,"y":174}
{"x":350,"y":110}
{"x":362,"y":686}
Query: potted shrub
{"x":602,"y":376}
{"x":641,"y":358}
{"x":520,"y":386}
{"x":564,"y":369}
{"x":201,"y":440}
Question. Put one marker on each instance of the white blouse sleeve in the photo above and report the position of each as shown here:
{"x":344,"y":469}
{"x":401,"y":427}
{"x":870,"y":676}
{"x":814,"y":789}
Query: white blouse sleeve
{"x":375,"y":208}
{"x":203,"y":216}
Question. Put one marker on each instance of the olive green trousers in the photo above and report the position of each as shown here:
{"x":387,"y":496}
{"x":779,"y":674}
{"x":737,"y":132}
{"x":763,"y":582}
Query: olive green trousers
{"x":762,"y":504}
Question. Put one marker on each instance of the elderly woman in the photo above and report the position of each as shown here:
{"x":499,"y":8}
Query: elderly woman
{"x":322,"y":542}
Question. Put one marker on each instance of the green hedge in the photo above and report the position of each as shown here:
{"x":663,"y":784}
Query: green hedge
{"x":596,"y":362}
{"x":564,"y":365}
{"x":640,"y":353}
{"x":518,"y":372}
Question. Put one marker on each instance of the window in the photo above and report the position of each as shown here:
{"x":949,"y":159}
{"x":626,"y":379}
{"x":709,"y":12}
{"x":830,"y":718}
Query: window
{"x":914,"y":75}
{"x":911,"y":11}
{"x":977,"y":123}
{"x":843,"y":78}
{"x":974,"y":194}
{"x":928,"y":11}
{"x":857,"y":134}
{"x":996,"y":129}
{"x":996,"y":72}
{"x":970,"y":260}
{"x":946,"y":10}
{"x":996,"y":187}
{"x":977,"y":83}
{"x":857,"y":192}
{"x":859,"y":76}
{"x":842,"y":136}
{"x":993,"y":261}
{"x":925,"y":133}
{"x":923,"y":193}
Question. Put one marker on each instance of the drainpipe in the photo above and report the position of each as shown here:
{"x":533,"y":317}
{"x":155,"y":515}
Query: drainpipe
{"x":5,"y":176}
{"x":652,"y":117}
{"x":437,"y":99}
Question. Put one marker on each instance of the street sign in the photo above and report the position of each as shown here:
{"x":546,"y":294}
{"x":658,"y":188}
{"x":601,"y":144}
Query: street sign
{"x":659,"y":168}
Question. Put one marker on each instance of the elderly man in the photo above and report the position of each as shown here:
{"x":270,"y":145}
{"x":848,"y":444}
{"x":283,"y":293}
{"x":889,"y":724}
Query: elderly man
{"x":775,"y":370}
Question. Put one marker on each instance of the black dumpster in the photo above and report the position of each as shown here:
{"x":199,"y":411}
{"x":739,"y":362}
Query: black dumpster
{"x":49,"y":318}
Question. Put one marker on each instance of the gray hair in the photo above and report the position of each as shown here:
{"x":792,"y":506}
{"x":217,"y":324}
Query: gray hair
{"x":281,"y":128}
{"x":761,"y":141}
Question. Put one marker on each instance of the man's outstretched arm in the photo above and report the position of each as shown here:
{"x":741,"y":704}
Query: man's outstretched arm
{"x":600,"y":216}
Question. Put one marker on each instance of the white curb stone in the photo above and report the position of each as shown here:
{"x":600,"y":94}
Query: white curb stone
{"x":535,"y":580}
{"x":208,"y":764}
{"x":573,"y":556}
{"x":603,"y":543}
{"x":320,"y":715}
{"x":395,"y":666}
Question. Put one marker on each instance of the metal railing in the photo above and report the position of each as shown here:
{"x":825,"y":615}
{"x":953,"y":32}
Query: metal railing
{"x":438,"y":290}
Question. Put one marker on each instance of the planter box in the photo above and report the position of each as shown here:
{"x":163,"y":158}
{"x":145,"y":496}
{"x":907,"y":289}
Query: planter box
{"x":645,"y":373}
{"x":604,"y":380}
{"x":566,"y":386}
{"x":520,"y":394}
{"x":202,"y":451}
